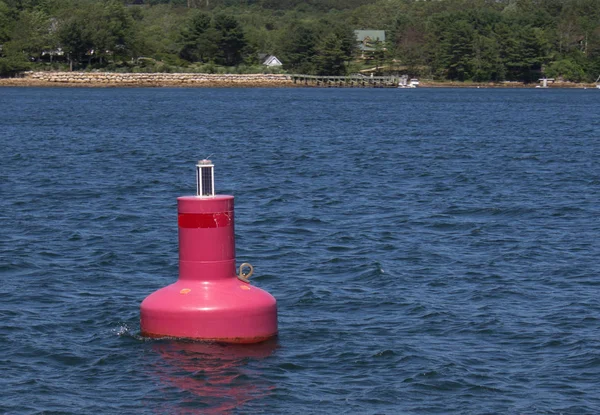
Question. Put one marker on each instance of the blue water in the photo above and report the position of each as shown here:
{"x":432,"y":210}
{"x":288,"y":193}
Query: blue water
{"x":432,"y":251}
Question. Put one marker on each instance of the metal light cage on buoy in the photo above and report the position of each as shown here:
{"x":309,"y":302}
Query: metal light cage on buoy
{"x":205,"y":178}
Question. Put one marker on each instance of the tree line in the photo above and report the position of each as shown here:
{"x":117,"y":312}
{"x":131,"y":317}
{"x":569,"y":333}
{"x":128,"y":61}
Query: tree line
{"x":464,"y":40}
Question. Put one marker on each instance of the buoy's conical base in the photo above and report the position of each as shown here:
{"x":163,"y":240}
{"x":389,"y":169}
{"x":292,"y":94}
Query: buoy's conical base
{"x":227,"y":310}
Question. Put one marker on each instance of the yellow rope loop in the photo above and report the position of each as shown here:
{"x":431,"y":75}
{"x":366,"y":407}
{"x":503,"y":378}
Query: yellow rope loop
{"x":245,"y":277}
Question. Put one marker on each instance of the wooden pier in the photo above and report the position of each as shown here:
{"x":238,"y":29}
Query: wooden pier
{"x":351,"y":81}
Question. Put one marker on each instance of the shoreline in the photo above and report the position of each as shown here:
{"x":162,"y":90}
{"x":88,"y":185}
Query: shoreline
{"x":504,"y":85}
{"x":200,"y":80}
{"x":146,"y":80}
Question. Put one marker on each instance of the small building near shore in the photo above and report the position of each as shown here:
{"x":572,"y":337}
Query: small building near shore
{"x":272,"y":61}
{"x":369,"y":40}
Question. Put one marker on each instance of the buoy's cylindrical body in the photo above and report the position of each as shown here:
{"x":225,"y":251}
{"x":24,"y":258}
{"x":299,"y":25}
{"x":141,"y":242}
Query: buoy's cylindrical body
{"x":208,"y":301}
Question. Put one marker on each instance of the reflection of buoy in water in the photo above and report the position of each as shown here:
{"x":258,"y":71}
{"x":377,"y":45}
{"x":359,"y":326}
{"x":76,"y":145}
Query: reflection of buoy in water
{"x":209,"y":301}
{"x":218,"y":378}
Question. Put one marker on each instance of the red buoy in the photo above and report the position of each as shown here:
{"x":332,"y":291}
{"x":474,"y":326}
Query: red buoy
{"x":209,"y":301}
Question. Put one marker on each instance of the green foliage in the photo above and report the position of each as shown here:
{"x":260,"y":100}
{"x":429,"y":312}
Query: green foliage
{"x":157,"y":33}
{"x":113,"y":35}
{"x":330,"y":57}
{"x":97,"y":33}
{"x":566,"y":69}
{"x":231,"y":40}
{"x":75,"y":37}
{"x":453,"y":56}
{"x":466,"y":40}
{"x":297,"y":48}
{"x":32,"y":33}
{"x":12,"y":61}
{"x":6,"y":22}
{"x":219,"y":39}
{"x":199,"y":39}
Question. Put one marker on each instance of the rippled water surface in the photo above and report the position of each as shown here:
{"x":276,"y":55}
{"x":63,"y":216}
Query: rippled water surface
{"x":431,"y":251}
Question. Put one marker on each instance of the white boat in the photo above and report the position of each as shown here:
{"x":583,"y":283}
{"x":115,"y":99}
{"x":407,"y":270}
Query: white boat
{"x":405,"y":83}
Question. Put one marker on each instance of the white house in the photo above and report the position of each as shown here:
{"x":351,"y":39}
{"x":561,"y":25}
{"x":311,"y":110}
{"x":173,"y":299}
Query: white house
{"x":272,"y":61}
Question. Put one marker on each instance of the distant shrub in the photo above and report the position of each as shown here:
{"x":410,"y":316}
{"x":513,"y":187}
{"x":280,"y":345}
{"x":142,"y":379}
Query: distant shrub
{"x":567,"y":70}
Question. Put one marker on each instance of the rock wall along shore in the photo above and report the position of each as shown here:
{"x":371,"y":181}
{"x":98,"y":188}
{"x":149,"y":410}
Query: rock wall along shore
{"x":148,"y":79}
